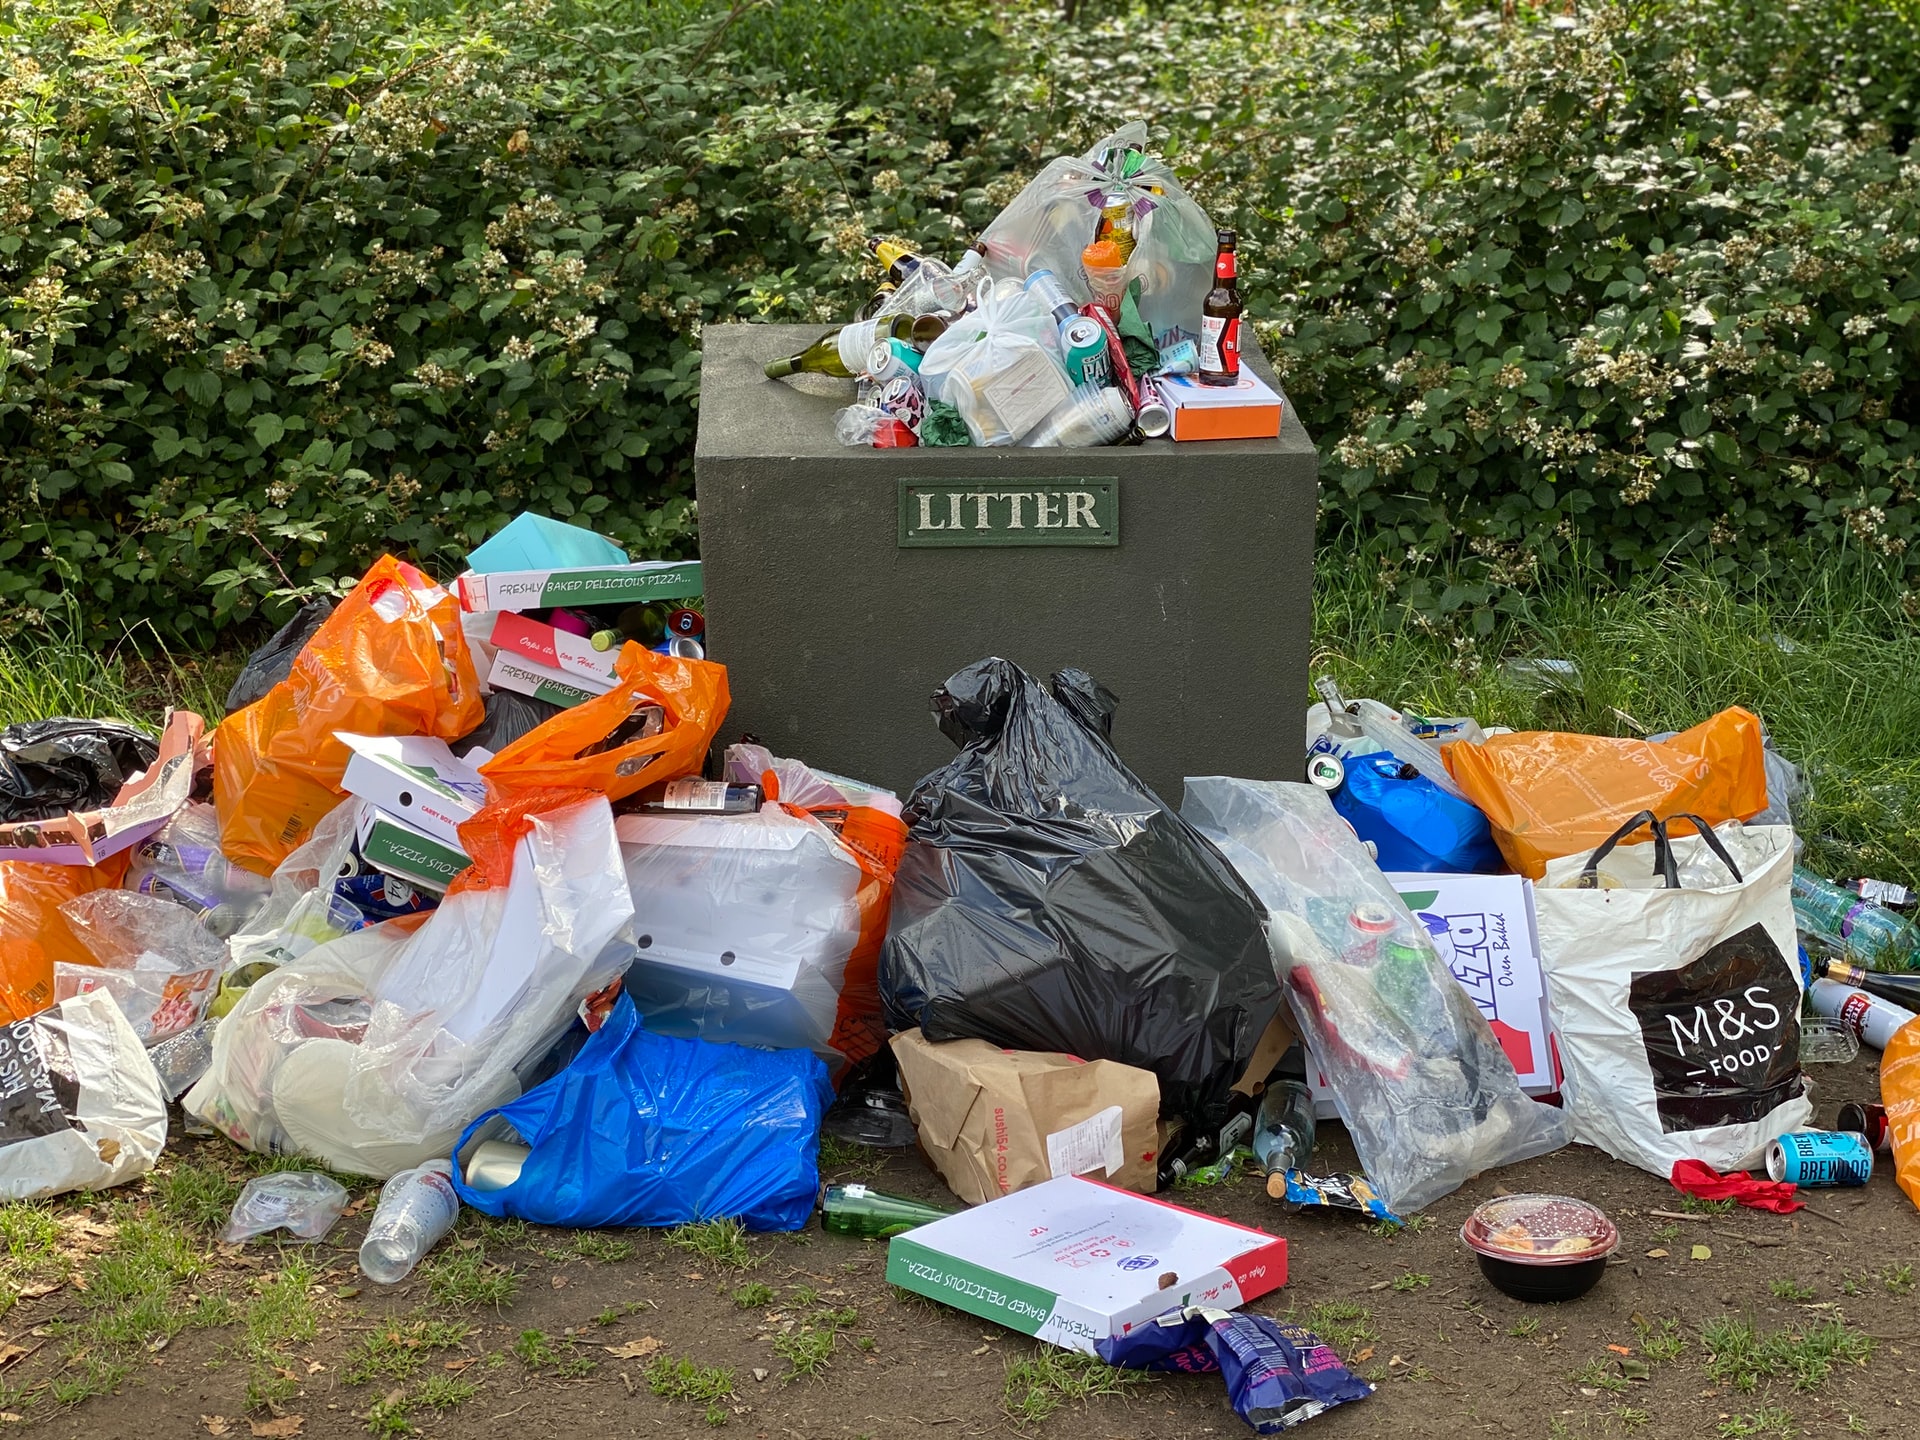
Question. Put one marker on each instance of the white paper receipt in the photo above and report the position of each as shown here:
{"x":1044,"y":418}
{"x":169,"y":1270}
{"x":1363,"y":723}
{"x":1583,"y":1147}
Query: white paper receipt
{"x":1093,"y":1144}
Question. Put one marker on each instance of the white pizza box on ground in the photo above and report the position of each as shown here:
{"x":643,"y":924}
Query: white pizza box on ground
{"x":394,"y":847}
{"x":415,"y":779}
{"x":581,"y":585}
{"x":1073,"y":1261}
{"x":1483,"y":926}
{"x":556,"y":687}
{"x":528,"y":639}
{"x":1248,"y":409}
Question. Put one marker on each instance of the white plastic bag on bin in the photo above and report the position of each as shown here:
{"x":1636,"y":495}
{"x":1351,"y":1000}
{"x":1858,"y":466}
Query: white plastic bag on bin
{"x":154,"y":956}
{"x":302,"y":910}
{"x":999,"y":365}
{"x":1058,"y":215}
{"x":1425,"y":1089}
{"x":83,"y":1108}
{"x":1677,"y":1007}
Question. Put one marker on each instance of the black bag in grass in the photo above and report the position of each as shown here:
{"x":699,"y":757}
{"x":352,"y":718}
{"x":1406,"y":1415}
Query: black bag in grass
{"x":1049,"y":901}
{"x":273,"y":661}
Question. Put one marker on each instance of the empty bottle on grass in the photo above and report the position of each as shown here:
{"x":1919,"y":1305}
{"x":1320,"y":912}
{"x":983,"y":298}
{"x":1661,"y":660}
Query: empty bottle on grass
{"x":873,"y":1214}
{"x":416,"y":1210}
{"x":1283,"y":1131}
{"x":1861,"y":931}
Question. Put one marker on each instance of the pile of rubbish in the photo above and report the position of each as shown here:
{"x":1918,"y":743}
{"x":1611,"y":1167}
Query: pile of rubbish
{"x":466,"y":893}
{"x":1099,"y":308}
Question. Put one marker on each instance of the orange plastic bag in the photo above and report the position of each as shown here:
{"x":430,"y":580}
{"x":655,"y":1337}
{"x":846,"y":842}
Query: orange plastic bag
{"x":1900,"y":1093}
{"x":33,"y":932}
{"x":391,"y":660}
{"x":562,"y":753}
{"x":1550,"y":794}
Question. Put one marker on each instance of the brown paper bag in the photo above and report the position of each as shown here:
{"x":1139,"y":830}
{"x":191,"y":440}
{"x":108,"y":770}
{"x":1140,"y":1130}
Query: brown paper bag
{"x":994,"y":1121}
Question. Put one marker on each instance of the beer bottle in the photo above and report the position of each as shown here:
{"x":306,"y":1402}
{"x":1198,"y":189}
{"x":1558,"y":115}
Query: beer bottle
{"x":974,"y":259}
{"x":898,"y":260}
{"x":856,"y":1210}
{"x":1220,"y":319}
{"x":844,"y":353}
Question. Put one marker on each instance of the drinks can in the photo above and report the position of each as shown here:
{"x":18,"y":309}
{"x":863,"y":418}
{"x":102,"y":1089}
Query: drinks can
{"x":1324,"y":771}
{"x":1869,"y":1122}
{"x":1820,"y":1159}
{"x":892,"y":360}
{"x":1085,"y":344}
{"x":1045,"y":287}
{"x":1180,"y":358}
{"x":495,"y":1164}
{"x":900,"y":397}
{"x":1154,"y":419}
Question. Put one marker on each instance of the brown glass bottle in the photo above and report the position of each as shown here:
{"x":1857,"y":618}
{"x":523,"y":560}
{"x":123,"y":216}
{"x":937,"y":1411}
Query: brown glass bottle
{"x":1220,"y":319}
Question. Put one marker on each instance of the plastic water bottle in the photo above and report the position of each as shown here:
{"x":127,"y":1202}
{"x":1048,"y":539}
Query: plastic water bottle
{"x":416,"y":1210}
{"x":1860,"y":930}
{"x":1283,"y":1130}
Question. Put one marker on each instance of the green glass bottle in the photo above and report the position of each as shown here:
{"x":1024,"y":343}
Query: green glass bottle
{"x":873,"y":1214}
{"x":845,"y":352}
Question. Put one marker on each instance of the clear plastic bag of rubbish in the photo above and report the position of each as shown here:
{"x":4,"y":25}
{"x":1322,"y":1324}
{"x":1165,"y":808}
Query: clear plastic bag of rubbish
{"x":183,"y":863}
{"x":872,"y":426}
{"x":300,"y":1202}
{"x":150,"y":954}
{"x":1061,"y":212}
{"x":182,"y":1059}
{"x":765,"y":929}
{"x":302,"y":910}
{"x":1428,"y":1094}
{"x":542,"y":919}
{"x":999,"y":365}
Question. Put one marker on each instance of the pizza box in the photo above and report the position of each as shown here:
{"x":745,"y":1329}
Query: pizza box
{"x":581,"y":585}
{"x":394,"y":847}
{"x":543,"y":682}
{"x":415,"y":779}
{"x":547,"y":645}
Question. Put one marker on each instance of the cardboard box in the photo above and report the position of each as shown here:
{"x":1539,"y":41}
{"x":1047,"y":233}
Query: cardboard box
{"x":416,"y":779}
{"x":556,"y":687}
{"x":1249,"y":409}
{"x":556,"y":649}
{"x":1073,"y":1261}
{"x":142,"y":806}
{"x":587,"y":585}
{"x":1483,"y":926}
{"x":396,"y":848}
{"x":994,"y":1121}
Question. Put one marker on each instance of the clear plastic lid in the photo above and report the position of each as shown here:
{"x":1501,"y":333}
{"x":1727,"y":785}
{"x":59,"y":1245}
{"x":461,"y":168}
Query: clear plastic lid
{"x":1540,"y":1230}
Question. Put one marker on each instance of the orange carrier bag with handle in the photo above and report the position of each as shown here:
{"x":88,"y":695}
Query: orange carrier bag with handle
{"x":33,"y":932}
{"x":612,"y":743}
{"x":1550,"y":794}
{"x":391,"y":660}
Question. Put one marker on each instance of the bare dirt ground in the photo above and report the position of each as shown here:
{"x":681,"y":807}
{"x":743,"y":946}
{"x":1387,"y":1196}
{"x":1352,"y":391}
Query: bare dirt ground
{"x":517,"y":1331}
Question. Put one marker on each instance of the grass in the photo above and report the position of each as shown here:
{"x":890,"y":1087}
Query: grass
{"x":1898,"y":1279}
{"x":708,"y":1386}
{"x":1599,"y":1375}
{"x":1411,"y":1281}
{"x":445,"y":1392}
{"x":1790,"y":1290}
{"x":194,"y":1195}
{"x":1660,"y":1340}
{"x":846,"y":1160}
{"x":1038,"y":1385}
{"x":135,"y":679}
{"x":1769,"y":1420}
{"x":1741,"y":1356}
{"x":281,"y":1313}
{"x":401,"y":1348}
{"x":1341,"y":1324}
{"x":718,"y":1242}
{"x":603,"y":1248}
{"x":387,"y":1417}
{"x":1694,"y":1205}
{"x":466,"y":1279}
{"x":807,"y":1351}
{"x":752,"y":1295}
{"x":1524,"y":1329}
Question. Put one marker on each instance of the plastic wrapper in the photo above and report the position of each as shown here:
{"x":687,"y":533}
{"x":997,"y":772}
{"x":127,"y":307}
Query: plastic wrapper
{"x":1277,"y":1374}
{"x":152,"y":955}
{"x":273,"y":661}
{"x":300,"y":1202}
{"x":83,"y":1108}
{"x":765,"y":929}
{"x":1059,"y":212}
{"x":1550,"y":794}
{"x":644,"y":1129}
{"x":999,"y":365}
{"x":34,"y":935}
{"x":1425,"y":1089}
{"x":49,"y":767}
{"x":1049,"y":901}
{"x":391,"y":660}
{"x":489,"y":980}
{"x":183,"y":863}
{"x":873,"y":426}
{"x":181,"y":1060}
{"x":602,"y":744}
{"x":301,"y":909}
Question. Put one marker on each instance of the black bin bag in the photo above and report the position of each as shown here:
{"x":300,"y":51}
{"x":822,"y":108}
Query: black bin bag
{"x":1049,"y":901}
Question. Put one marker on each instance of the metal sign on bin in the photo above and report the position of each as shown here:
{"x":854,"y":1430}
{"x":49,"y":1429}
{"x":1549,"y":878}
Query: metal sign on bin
{"x":1074,"y":510}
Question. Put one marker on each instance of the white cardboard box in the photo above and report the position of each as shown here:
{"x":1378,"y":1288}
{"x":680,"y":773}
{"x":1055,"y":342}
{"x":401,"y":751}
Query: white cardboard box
{"x":1483,"y":926}
{"x":581,"y":585}
{"x":556,"y":687}
{"x":1248,"y":409}
{"x":416,"y":779}
{"x":1073,"y":1261}
{"x":394,"y":847}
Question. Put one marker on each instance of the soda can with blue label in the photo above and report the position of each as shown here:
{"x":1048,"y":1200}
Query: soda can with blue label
{"x":1820,"y":1159}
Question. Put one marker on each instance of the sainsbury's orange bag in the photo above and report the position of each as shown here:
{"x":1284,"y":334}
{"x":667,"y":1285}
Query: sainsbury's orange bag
{"x":391,"y":660}
{"x":1900,"y":1093}
{"x":1549,"y":794}
{"x":33,"y":932}
{"x":588,"y":746}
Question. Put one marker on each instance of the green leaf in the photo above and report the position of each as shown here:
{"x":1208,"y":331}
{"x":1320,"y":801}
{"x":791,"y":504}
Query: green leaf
{"x":1724,"y":447}
{"x":550,"y":430}
{"x":268,"y":429}
{"x":202,"y":386}
{"x":116,"y":471}
{"x":1696,"y":422}
{"x":1660,"y":442}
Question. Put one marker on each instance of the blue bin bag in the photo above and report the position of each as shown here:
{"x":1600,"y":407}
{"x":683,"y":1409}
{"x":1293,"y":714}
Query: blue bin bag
{"x":1415,"y":824}
{"x":642,"y":1129}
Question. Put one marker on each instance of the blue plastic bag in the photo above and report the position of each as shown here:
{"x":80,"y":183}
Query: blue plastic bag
{"x":642,"y":1129}
{"x":1416,"y":825}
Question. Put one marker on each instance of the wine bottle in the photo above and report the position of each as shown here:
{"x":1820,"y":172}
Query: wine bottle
{"x":843,"y":353}
{"x":1901,"y":989}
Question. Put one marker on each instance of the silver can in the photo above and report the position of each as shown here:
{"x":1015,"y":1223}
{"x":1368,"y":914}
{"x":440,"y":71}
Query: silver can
{"x":1154,"y":419}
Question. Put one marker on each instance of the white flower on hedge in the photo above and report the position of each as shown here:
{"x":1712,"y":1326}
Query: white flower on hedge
{"x":1857,"y":326}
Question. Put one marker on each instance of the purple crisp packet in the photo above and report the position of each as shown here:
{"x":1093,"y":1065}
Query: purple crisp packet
{"x":1176,"y":1340}
{"x":1277,"y":1374}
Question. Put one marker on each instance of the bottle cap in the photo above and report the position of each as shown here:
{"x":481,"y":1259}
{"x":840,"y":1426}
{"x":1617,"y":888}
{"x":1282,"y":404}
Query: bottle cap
{"x":606,"y":639}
